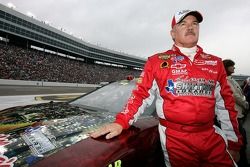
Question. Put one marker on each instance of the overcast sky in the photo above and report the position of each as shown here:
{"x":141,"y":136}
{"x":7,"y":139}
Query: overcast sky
{"x":141,"y":27}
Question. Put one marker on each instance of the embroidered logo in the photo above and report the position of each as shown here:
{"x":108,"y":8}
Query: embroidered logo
{"x":191,"y":87}
{"x":164,"y":64}
{"x":210,"y":62}
{"x":170,"y":86}
{"x":177,"y":58}
{"x":178,"y":66}
{"x":205,"y":62}
{"x":164,"y":56}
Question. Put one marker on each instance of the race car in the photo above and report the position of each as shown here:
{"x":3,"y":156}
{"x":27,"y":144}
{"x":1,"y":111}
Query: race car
{"x":57,"y":133}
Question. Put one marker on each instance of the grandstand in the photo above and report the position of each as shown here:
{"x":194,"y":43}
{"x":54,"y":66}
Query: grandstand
{"x":33,"y":50}
{"x":25,"y":41}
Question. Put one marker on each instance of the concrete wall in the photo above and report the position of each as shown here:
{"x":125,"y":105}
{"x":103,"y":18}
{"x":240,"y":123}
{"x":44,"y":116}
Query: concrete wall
{"x":42,"y":83}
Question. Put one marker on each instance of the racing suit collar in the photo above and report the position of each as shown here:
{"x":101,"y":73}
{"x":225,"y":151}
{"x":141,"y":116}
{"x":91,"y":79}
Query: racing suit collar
{"x":198,"y":52}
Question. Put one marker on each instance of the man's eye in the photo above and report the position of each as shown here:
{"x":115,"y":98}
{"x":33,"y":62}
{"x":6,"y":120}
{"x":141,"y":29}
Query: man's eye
{"x":182,"y":24}
{"x":195,"y":23}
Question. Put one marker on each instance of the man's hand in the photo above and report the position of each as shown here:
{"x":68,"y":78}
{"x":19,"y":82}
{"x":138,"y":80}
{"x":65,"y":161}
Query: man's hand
{"x":235,"y":155}
{"x":112,"y":130}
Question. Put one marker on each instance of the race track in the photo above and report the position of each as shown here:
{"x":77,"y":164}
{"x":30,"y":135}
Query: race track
{"x":11,"y":96}
{"x":11,"y":90}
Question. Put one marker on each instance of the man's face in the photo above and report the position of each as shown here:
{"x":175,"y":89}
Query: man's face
{"x":231,"y":69}
{"x":186,"y":33}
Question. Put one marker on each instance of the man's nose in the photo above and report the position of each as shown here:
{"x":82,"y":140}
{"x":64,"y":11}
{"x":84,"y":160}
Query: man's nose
{"x":190,"y":26}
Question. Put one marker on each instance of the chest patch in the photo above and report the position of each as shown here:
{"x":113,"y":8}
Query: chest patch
{"x":190,"y":87}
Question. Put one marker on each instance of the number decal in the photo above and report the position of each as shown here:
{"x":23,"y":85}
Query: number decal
{"x":117,"y":163}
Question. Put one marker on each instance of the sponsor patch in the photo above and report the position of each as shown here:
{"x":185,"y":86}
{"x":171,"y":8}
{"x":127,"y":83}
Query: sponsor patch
{"x":179,"y":69}
{"x":139,"y":80}
{"x":190,"y":87}
{"x":177,"y":58}
{"x":209,"y":70}
{"x":199,"y":62}
{"x":211,"y":62}
{"x":170,"y":86}
{"x":178,"y":66}
{"x":179,"y":72}
{"x":164,"y":64}
{"x":130,"y":101}
{"x":206,"y":62}
{"x":164,"y":56}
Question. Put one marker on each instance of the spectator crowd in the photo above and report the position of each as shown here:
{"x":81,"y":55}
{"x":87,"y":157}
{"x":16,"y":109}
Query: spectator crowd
{"x":17,"y":63}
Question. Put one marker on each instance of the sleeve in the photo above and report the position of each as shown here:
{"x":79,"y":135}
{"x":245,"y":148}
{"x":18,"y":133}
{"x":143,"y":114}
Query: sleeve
{"x":142,"y":96}
{"x":225,"y":111}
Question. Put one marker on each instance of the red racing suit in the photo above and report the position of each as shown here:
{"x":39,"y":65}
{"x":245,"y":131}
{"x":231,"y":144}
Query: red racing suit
{"x":188,"y":96}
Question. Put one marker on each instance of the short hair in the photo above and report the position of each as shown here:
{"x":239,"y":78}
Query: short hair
{"x":227,"y":63}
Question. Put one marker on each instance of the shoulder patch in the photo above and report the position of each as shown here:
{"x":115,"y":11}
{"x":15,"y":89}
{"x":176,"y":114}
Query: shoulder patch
{"x":164,"y":56}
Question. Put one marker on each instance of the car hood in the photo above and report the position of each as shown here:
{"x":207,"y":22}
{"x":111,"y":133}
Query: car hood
{"x":27,"y":134}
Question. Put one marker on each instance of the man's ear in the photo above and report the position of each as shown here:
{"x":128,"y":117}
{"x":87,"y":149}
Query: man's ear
{"x":172,"y":33}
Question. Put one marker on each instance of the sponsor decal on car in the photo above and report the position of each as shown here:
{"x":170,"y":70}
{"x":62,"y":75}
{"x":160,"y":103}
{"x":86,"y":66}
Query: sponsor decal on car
{"x":37,"y":141}
{"x":117,"y":163}
{"x":7,"y":162}
{"x":4,"y":140}
{"x":4,"y":160}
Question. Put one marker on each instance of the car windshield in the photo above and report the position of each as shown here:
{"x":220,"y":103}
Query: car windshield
{"x":111,"y":98}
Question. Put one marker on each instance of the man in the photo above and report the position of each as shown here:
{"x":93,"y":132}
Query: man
{"x":241,"y":106}
{"x":188,"y":85}
{"x":246,"y":89}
